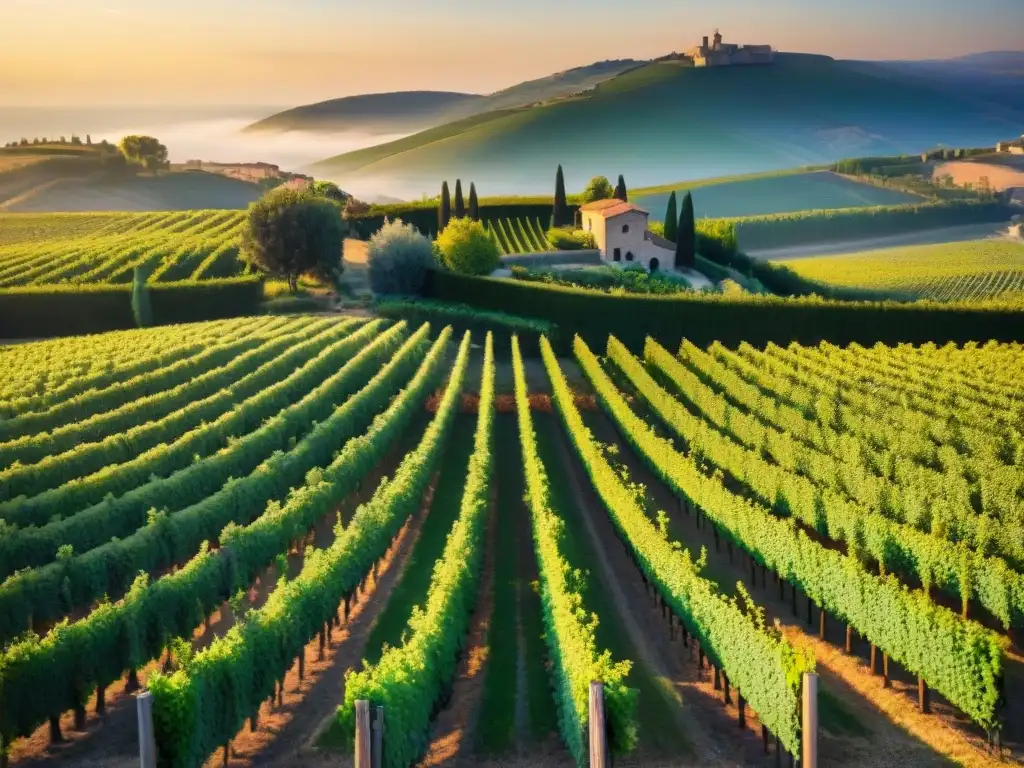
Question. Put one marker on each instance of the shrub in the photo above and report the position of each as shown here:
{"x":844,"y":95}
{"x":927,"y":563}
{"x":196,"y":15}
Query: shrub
{"x":467,"y":247}
{"x":566,"y":239}
{"x":142,"y":311}
{"x":398,"y":257}
{"x":289,"y":232}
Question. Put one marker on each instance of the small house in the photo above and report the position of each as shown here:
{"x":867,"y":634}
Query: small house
{"x":621,"y":235}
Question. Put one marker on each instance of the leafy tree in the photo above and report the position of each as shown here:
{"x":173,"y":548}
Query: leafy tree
{"x":290,"y":232}
{"x":460,"y":205}
{"x":467,"y":247}
{"x":686,"y":236}
{"x":599,"y":188}
{"x":560,"y":214}
{"x":620,"y":190}
{"x":671,"y":218}
{"x":330,"y":190}
{"x":398,"y":258}
{"x":474,"y":203}
{"x":444,"y":213}
{"x":145,"y":151}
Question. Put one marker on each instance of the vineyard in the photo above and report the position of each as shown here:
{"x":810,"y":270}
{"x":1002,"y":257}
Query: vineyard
{"x":263,"y":521}
{"x":981,"y":269}
{"x":44,"y":249}
{"x":519,"y":236}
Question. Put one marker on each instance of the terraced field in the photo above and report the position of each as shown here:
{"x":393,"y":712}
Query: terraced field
{"x":966,"y":271}
{"x":262,"y":521}
{"x":82,"y":248}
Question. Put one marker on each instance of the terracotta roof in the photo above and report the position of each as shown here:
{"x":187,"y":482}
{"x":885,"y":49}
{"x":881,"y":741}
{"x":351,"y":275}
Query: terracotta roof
{"x":609,"y":208}
{"x":598,"y":205}
{"x":659,"y":240}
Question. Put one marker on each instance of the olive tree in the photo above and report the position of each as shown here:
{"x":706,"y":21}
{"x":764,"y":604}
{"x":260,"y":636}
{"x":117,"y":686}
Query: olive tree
{"x":291,"y":232}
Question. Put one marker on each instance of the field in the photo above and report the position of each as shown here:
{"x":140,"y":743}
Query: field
{"x":784,"y":193}
{"x":232,"y":514}
{"x":519,"y":236}
{"x":973,"y":270}
{"x":44,"y":249}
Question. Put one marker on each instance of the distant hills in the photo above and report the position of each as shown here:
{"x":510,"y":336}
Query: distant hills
{"x":409,"y":111}
{"x":663,"y":121}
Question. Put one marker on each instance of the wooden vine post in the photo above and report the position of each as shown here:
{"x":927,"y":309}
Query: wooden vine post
{"x":378,"y":737}
{"x":363,"y":743}
{"x":809,"y":725}
{"x":147,"y":739}
{"x":598,"y":731}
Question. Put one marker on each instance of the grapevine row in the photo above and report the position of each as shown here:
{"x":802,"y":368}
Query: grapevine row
{"x":896,"y":547}
{"x":757,"y":659}
{"x":959,"y":658}
{"x":201,"y":707}
{"x":86,"y":511}
{"x":410,"y":679}
{"x":46,"y":593}
{"x":133,"y":430}
{"x":95,"y":651}
{"x":572,"y":643}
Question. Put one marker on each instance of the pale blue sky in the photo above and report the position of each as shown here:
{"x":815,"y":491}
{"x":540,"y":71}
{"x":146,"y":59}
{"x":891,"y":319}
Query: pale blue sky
{"x":67,"y":52}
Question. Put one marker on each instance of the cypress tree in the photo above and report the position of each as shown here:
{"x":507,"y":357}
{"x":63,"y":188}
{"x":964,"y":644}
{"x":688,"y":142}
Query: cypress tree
{"x":560,"y":214}
{"x":686,"y":244}
{"x":460,"y":206}
{"x":671,"y":218}
{"x":474,"y":204}
{"x":444,"y":213}
{"x":620,"y":190}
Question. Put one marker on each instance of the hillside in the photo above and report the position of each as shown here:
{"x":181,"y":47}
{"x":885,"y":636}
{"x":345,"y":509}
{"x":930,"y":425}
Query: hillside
{"x":175,"y":191}
{"x":375,"y":113}
{"x":666,"y":121}
{"x":410,"y":111}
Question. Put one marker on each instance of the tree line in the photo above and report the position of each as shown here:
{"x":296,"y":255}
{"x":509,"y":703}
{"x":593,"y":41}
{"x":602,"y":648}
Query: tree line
{"x":74,"y":141}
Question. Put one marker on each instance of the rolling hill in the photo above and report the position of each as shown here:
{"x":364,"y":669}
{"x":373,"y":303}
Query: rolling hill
{"x":665,"y":121}
{"x":409,"y":111}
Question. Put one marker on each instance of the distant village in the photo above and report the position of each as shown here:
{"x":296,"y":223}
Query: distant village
{"x":255,"y":173}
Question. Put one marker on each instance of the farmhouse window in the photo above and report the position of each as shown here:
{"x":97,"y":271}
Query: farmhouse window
{"x":617,"y":255}
{"x":629,"y":255}
{"x":625,"y":228}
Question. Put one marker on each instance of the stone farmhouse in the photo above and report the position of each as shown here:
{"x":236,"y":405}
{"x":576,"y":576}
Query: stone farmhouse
{"x":720,"y":54}
{"x":621,"y":234}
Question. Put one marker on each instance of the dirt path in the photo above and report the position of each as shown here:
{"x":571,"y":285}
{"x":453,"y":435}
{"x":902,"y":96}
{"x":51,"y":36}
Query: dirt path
{"x":699,"y":710}
{"x":862,"y":722}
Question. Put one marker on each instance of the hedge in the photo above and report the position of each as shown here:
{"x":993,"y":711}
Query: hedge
{"x":463,"y":317}
{"x":38,"y":312}
{"x":704,"y":318}
{"x":809,"y":227}
{"x":423,"y":214}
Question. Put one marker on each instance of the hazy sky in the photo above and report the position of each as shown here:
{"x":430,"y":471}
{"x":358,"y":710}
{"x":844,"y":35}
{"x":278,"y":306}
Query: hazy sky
{"x":286,"y":52}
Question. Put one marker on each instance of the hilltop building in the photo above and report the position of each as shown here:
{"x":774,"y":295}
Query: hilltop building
{"x":719,"y":54}
{"x":621,"y":234}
